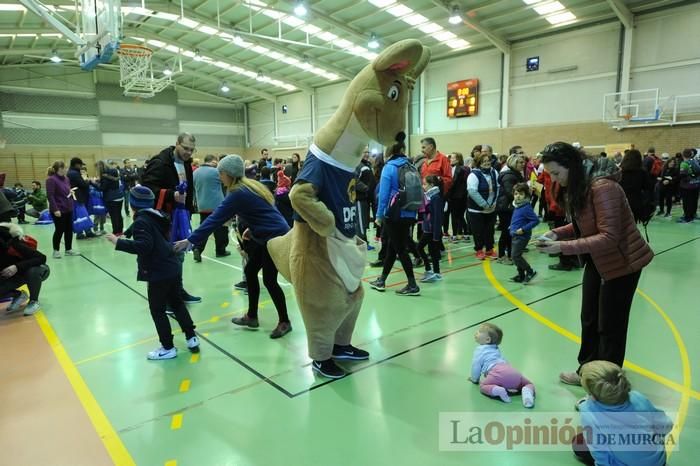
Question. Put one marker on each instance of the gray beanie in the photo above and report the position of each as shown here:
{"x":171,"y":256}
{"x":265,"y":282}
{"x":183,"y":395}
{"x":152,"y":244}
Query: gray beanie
{"x":232,"y":165}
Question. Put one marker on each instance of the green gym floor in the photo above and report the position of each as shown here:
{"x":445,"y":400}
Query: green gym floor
{"x":249,"y":400}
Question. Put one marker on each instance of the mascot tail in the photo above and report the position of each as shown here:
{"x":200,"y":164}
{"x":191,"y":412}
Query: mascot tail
{"x":280,"y":250}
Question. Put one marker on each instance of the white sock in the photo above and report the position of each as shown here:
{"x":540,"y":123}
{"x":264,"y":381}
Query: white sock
{"x":501,"y":393}
{"x":528,"y":397}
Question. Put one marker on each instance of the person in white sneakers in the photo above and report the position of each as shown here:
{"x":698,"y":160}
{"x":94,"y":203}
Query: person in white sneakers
{"x":159,"y":265}
{"x":20,"y":264}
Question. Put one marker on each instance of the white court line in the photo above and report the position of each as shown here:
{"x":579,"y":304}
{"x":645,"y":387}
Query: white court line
{"x":281,"y":282}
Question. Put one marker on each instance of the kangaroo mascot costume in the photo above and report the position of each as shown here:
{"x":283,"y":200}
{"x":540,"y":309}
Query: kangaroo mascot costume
{"x":321,"y":256}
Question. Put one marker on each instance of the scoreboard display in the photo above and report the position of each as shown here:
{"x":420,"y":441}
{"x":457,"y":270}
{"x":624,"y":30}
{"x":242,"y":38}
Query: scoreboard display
{"x":463,"y":98}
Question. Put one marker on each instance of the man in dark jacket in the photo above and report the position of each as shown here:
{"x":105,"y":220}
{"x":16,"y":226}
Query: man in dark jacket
{"x":20,"y":264}
{"x":163,"y":173}
{"x":82,"y":190}
{"x":364,"y":191}
{"x":129,"y":176}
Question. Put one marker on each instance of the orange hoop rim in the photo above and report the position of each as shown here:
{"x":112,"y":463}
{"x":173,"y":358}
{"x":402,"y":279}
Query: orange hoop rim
{"x":133,"y":50}
{"x":627,"y":116}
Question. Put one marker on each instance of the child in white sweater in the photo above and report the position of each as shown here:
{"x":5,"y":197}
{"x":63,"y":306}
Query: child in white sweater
{"x":500,"y":378}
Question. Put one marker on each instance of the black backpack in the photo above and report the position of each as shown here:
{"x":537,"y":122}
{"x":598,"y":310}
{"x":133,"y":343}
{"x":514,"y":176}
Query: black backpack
{"x":410,"y":194}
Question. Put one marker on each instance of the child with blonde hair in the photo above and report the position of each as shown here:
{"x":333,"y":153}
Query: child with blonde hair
{"x":612,"y":408}
{"x":500,"y":378}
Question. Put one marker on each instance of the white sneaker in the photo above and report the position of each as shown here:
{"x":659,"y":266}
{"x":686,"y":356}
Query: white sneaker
{"x":18,"y":302}
{"x":427,"y":277}
{"x":528,"y":397}
{"x":193,"y":344}
{"x":162,"y":353}
{"x":57,"y":254}
{"x":437,"y":277}
{"x":31,"y":308}
{"x":72,"y":252}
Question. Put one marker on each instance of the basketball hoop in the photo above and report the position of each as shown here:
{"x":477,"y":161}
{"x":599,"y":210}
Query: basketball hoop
{"x":136,"y":72}
{"x":627,"y":116}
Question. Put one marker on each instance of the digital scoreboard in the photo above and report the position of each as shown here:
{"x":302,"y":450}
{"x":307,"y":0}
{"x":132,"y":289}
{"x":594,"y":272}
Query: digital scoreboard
{"x":463,"y":98}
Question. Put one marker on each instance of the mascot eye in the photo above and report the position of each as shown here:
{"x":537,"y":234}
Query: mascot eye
{"x":393,"y":93}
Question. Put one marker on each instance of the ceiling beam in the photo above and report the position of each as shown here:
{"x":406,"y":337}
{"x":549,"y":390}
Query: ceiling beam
{"x":501,"y":43}
{"x":623,"y":13}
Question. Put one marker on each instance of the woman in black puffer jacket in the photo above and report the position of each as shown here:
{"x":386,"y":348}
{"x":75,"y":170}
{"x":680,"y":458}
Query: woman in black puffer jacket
{"x":509,"y":177}
{"x":637,"y":183}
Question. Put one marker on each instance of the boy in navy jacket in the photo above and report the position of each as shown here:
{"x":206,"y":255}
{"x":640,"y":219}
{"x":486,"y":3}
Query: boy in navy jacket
{"x":159,"y":265}
{"x":432,"y":228}
{"x":521,"y":225}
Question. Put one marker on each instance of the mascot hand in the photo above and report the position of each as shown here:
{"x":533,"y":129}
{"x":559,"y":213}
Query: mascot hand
{"x":314,"y":212}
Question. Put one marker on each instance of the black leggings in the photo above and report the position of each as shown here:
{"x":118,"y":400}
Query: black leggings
{"x":63,"y":227}
{"x":690,"y":203}
{"x":259,"y":258}
{"x":167,"y":293}
{"x":398,"y":234}
{"x":114,"y":208}
{"x":505,"y":241}
{"x":666,"y":192}
{"x":457,"y":207}
{"x":433,"y":248}
{"x":482,"y":229}
{"x":605,"y":312}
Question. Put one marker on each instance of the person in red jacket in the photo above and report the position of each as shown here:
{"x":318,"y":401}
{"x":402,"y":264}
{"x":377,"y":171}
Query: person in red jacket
{"x":435,"y":163}
{"x":603,"y":231}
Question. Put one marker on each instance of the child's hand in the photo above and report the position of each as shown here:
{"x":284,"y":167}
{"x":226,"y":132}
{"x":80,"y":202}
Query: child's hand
{"x":519,"y":231}
{"x":247,"y":235}
{"x":111,"y":238}
{"x":182,"y":245}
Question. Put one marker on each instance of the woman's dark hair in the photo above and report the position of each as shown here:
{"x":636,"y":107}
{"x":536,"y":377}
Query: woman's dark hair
{"x":475,"y":149}
{"x":632,"y":161}
{"x":434,"y":180}
{"x":459,"y":158}
{"x":687,"y":153}
{"x":572,"y":197}
{"x":400,"y":146}
{"x":57,"y":165}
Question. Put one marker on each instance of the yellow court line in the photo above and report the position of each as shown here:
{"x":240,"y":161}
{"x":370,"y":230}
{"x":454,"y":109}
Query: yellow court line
{"x":113,"y":444}
{"x":184,"y":385}
{"x":685,"y":363}
{"x":171,"y":463}
{"x":194,"y":358}
{"x":176,"y":421}
{"x":573,"y":337}
{"x":146,"y":340}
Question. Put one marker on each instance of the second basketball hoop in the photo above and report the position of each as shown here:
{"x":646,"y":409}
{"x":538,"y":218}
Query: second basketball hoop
{"x":136,"y":72}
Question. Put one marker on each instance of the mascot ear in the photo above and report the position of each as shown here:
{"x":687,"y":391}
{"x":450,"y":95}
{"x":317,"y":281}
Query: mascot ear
{"x":407,"y":57}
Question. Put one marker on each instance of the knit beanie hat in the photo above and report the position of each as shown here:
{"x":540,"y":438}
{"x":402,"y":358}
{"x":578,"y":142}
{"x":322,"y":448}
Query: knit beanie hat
{"x":232,"y":165}
{"x":140,"y":197}
{"x":283,"y":181}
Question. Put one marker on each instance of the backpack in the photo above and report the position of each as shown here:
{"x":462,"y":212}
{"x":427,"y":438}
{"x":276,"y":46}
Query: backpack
{"x":410,"y":194}
{"x":657,"y":166}
{"x":29,"y":241}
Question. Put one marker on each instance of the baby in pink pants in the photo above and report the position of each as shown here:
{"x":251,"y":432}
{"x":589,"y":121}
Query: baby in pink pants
{"x":500,"y":378}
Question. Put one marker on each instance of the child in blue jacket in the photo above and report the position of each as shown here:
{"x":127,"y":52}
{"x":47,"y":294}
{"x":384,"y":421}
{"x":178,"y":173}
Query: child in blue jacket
{"x":521,"y":225}
{"x":432,"y":225}
{"x":160,"y":267}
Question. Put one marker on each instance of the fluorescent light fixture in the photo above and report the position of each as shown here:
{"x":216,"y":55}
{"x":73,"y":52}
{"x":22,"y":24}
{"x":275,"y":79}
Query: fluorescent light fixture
{"x":208,"y":30}
{"x":221,"y":64}
{"x":457,"y":44}
{"x":310,"y":29}
{"x":357,"y":50}
{"x":399,"y":10}
{"x":300,"y":9}
{"x":561,"y":18}
{"x":289,"y":87}
{"x":549,"y":8}
{"x":25,"y":35}
{"x":139,"y":11}
{"x":342,"y":43}
{"x":54,"y":57}
{"x":532,"y":2}
{"x":51,"y":34}
{"x":11,"y":7}
{"x":415,"y":20}
{"x":172,"y":48}
{"x":260,"y":49}
{"x":197,"y":56}
{"x":382,"y":3}
{"x":444,"y":35}
{"x":327,"y":36}
{"x":304,"y":66}
{"x":430,"y":28}
{"x":331,"y":76}
{"x":189,"y":54}
{"x":250,"y":74}
{"x":224,"y":87}
{"x":226,"y":35}
{"x":156,"y":43}
{"x":272,"y":14}
{"x":275,"y":55}
{"x":239,"y":41}
{"x":456,"y":16}
{"x":373,"y":42}
{"x":188,"y":23}
{"x":167,"y":16}
{"x":236,"y":69}
{"x":292,"y":21}
{"x":289,"y":60}
{"x":167,"y":72}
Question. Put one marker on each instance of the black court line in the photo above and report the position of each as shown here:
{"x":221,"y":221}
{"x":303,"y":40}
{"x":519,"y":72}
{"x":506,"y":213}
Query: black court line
{"x":434,"y":340}
{"x":388,"y":358}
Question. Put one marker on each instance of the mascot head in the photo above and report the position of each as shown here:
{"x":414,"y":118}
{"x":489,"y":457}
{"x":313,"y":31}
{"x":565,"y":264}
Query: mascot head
{"x":375,"y":103}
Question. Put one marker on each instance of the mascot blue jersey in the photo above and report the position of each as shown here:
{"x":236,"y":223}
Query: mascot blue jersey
{"x":336,"y":189}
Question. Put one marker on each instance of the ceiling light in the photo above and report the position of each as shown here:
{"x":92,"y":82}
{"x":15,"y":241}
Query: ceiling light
{"x":327,"y":36}
{"x":457,"y":44}
{"x":188,"y":23}
{"x":549,"y":8}
{"x":208,"y":30}
{"x":167,"y":72}
{"x":54,"y":57}
{"x":197,"y":56}
{"x":167,"y":16}
{"x":224,"y":87}
{"x":310,"y":29}
{"x":300,"y":9}
{"x":456,"y":16}
{"x":415,"y":20}
{"x":292,"y":21}
{"x":373,"y":42}
{"x":11,"y":7}
{"x":532,"y":2}
{"x":444,"y":35}
{"x":382,"y":3}
{"x":399,"y":10}
{"x":272,"y":14}
{"x":430,"y":28}
{"x":561,"y":18}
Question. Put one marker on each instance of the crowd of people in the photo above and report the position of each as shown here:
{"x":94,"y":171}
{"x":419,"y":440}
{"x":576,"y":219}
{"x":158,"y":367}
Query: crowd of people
{"x":591,"y":204}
